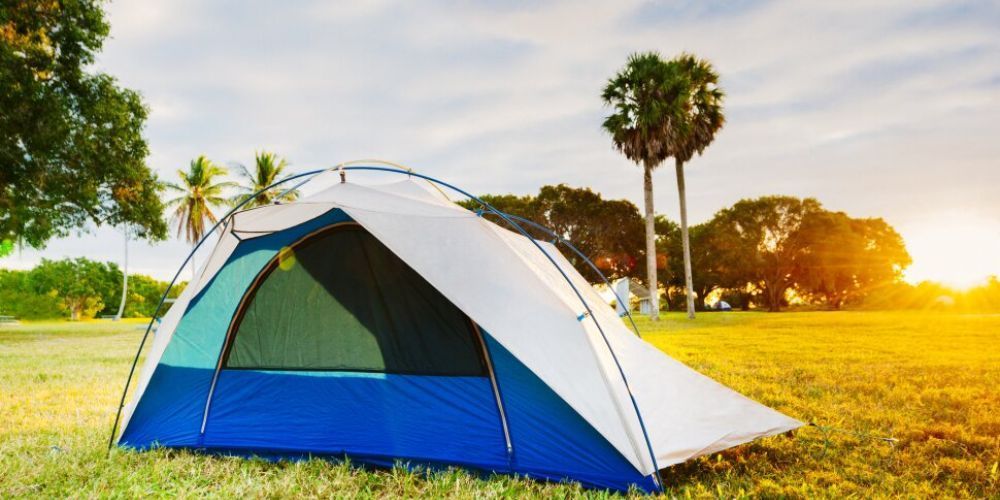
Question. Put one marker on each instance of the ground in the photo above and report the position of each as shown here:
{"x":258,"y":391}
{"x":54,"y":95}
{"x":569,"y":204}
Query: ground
{"x":929,"y":381}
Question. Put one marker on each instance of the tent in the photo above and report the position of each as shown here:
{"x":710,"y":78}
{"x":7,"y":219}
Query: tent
{"x":389,"y":325}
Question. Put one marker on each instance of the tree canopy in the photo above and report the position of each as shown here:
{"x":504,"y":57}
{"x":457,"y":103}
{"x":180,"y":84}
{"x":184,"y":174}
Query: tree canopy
{"x":77,"y":289}
{"x":758,"y":252}
{"x":609,"y":232}
{"x":71,"y":145}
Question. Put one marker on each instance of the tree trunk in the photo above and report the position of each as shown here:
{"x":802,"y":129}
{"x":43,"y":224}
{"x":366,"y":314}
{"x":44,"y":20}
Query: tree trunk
{"x":74,"y":309}
{"x":774,"y":295}
{"x":121,"y":305}
{"x":688,"y":280}
{"x":654,"y":294}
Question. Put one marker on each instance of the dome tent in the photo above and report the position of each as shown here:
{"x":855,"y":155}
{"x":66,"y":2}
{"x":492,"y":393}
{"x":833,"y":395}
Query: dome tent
{"x":385,"y":323}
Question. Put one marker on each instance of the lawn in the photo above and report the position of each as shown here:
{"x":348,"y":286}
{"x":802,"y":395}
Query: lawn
{"x":929,"y":381}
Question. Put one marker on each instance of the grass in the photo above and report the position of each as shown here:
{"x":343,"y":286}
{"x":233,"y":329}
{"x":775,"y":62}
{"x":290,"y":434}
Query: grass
{"x":930,"y":381}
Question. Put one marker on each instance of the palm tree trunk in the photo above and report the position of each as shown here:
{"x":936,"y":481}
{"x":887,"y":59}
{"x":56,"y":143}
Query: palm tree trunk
{"x":121,"y":305}
{"x":654,"y":294}
{"x":688,"y":280}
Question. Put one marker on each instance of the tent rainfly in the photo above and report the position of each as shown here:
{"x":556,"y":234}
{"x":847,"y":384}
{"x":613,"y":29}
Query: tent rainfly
{"x":389,"y":325}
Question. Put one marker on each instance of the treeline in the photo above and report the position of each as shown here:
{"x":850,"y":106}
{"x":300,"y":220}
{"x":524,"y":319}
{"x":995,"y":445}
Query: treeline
{"x":768,"y":252}
{"x":77,"y":289}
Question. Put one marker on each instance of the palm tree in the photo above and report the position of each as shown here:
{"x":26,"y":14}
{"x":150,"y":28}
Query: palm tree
{"x":269,"y":168}
{"x":199,"y":192}
{"x":700,"y":101}
{"x":641,"y":95}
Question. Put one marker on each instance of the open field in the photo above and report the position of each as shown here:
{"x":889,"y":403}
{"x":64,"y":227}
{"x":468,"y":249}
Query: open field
{"x":931,"y":381}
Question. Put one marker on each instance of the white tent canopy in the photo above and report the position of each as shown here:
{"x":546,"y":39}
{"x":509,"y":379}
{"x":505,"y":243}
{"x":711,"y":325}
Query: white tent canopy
{"x":507,"y":285}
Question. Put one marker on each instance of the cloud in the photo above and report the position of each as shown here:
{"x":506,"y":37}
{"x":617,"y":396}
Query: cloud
{"x":882,"y":108}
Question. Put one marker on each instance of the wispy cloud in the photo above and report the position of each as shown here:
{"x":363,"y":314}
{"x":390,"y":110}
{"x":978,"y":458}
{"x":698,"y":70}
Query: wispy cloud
{"x":882,"y":108}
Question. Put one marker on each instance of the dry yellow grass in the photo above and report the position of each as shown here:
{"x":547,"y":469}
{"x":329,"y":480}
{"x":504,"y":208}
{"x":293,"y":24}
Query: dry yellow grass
{"x":931,"y":381}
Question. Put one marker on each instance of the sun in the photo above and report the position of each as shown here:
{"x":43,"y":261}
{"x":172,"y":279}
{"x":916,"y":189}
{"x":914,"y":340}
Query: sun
{"x":955,"y":248}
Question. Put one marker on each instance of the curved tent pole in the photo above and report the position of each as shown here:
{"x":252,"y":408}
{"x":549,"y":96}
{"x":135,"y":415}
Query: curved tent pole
{"x":163,"y":299}
{"x":564,"y":241}
{"x":635,"y":405}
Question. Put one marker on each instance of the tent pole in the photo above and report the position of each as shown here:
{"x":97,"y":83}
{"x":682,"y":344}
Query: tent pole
{"x":496,"y":394}
{"x":621,"y":371}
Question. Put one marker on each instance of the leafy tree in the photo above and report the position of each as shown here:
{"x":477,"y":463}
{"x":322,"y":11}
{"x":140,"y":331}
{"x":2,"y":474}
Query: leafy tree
{"x":200,"y":190}
{"x":18,"y":299}
{"x":36,"y":294}
{"x":644,"y":102}
{"x":607,"y":231}
{"x":758,"y":241}
{"x":667,"y":233}
{"x":704,"y":257}
{"x":522,"y":206}
{"x":268,"y":169}
{"x":847,"y":258}
{"x":81,"y":285}
{"x":145,"y":294}
{"x":71,"y":145}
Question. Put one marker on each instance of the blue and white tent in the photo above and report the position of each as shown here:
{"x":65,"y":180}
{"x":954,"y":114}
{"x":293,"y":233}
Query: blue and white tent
{"x":386,"y":324}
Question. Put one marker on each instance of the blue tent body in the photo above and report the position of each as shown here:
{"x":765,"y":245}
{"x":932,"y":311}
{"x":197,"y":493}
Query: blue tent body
{"x":194,"y":402}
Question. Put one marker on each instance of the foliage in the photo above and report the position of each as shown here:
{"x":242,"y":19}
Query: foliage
{"x":57,"y":289}
{"x":81,"y":285}
{"x":268,"y":169}
{"x":199,"y":191}
{"x":644,"y":97}
{"x":759,"y":241}
{"x":754,"y":253}
{"x":699,"y":101}
{"x":609,"y":232}
{"x":71,"y":145}
{"x":927,"y":380}
{"x":705,"y":259}
{"x":18,"y":299}
{"x":848,"y":258}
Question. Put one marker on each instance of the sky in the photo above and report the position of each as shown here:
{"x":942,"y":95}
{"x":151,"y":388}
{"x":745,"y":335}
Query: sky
{"x":879,"y":109}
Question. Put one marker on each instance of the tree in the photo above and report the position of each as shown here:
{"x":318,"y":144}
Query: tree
{"x":81,"y":285}
{"x":268,"y":169}
{"x":199,"y":190}
{"x":758,"y":241}
{"x":704,"y":258}
{"x":700,"y":101}
{"x":145,"y":294}
{"x":607,"y":231}
{"x":71,"y":145}
{"x":643,"y":98}
{"x":845,"y":258}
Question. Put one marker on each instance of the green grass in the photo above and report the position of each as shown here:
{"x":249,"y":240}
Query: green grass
{"x":931,"y":381}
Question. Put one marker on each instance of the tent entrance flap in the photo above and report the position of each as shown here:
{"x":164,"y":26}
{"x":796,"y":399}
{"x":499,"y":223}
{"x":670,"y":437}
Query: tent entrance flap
{"x":339,"y":300}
